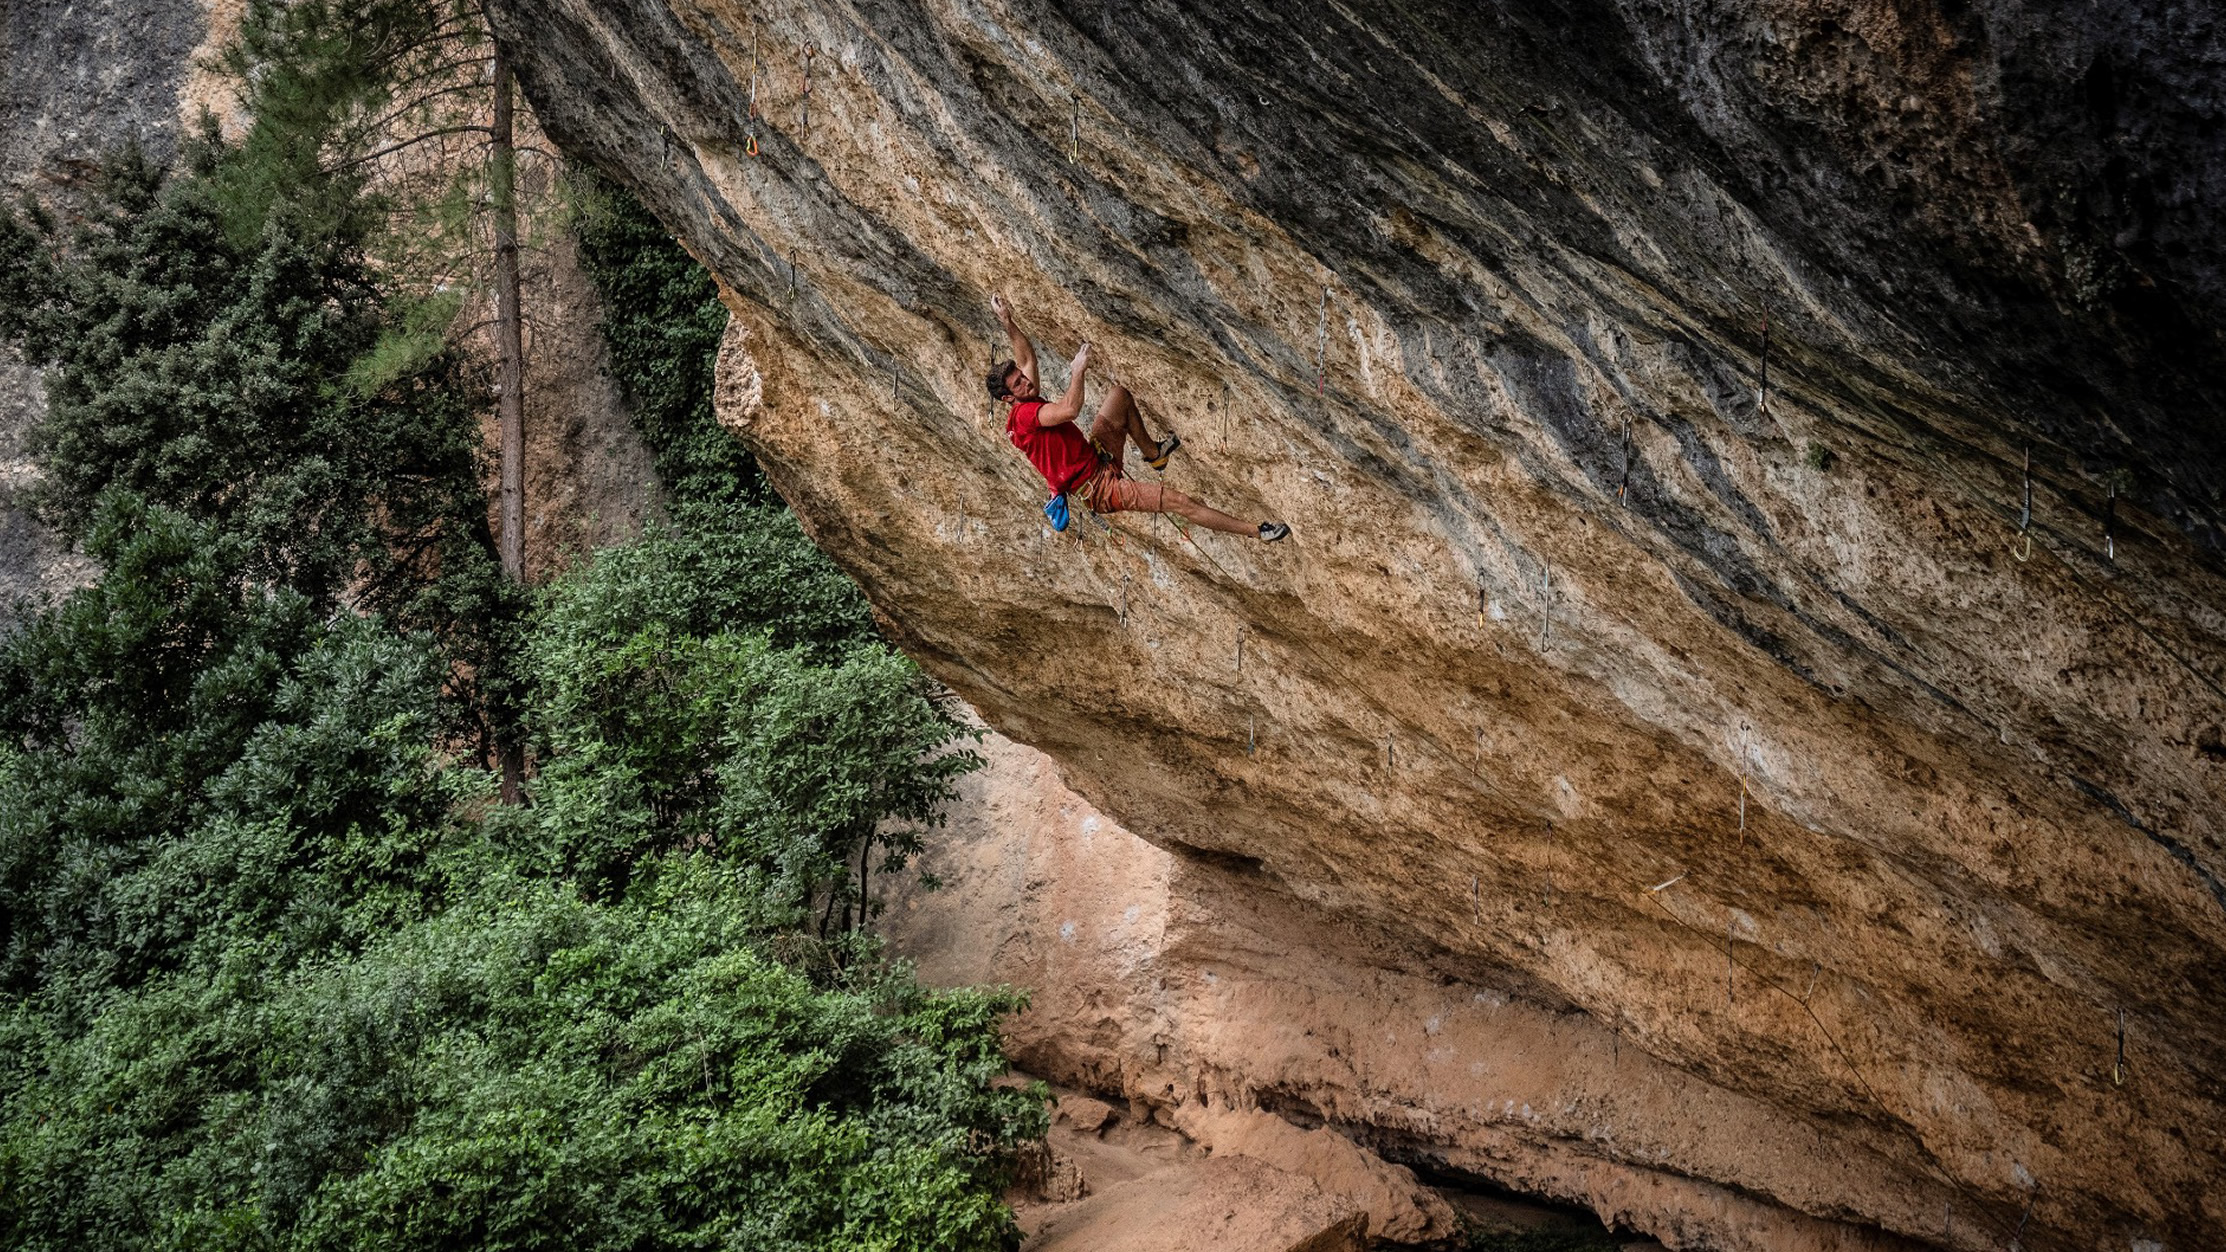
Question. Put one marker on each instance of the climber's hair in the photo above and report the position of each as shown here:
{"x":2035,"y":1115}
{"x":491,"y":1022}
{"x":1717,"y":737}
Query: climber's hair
{"x":998,"y":373}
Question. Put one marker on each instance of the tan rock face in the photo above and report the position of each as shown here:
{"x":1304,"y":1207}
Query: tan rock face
{"x":1215,"y":1004}
{"x":1754,"y":736}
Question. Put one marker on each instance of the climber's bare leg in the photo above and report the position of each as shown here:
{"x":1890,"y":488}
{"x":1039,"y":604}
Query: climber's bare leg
{"x":1136,"y":497}
{"x":1119,"y":419}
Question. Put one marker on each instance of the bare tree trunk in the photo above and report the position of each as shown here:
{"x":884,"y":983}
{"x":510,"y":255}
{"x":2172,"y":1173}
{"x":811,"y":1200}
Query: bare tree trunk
{"x":510,"y":347}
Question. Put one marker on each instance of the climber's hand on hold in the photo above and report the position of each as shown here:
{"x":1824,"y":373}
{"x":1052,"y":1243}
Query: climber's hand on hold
{"x":1068,"y":406}
{"x":1024,"y":352}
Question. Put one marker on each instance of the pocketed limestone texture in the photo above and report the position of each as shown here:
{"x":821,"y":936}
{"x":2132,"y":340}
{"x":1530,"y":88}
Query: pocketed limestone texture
{"x":1650,"y":388}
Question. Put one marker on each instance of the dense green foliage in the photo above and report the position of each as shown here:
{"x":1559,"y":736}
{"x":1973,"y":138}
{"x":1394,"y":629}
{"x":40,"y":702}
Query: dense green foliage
{"x":717,"y":688}
{"x":663,"y":321}
{"x":276,"y":973}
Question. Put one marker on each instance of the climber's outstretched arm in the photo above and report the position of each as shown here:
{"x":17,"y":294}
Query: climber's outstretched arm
{"x":1069,"y":406}
{"x":1024,"y":352}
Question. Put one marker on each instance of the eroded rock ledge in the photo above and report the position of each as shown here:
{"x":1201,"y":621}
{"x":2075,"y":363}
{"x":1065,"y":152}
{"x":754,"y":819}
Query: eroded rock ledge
{"x":1569,"y":613}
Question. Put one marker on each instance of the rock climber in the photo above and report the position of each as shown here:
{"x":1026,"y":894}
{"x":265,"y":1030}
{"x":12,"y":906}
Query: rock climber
{"x":1089,"y":468}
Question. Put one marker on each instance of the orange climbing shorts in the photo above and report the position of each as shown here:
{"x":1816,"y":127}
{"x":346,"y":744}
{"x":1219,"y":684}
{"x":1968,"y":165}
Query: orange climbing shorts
{"x":1107,"y":490}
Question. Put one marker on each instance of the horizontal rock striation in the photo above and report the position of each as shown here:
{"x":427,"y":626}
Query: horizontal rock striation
{"x":1651,"y":388}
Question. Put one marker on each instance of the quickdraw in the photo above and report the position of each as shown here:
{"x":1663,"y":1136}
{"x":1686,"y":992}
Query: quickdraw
{"x":749,"y":144}
{"x":804,"y":101}
{"x":2118,"y":1071}
{"x":1622,"y":489}
{"x":2110,"y":523}
{"x":1762,"y":402}
{"x":1546,"y":603}
{"x":2025,"y":514}
{"x":1321,"y":346}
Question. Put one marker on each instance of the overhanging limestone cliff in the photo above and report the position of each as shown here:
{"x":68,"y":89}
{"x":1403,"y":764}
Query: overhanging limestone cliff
{"x":1475,"y":298}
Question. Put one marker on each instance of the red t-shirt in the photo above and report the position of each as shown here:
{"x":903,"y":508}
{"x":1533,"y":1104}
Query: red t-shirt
{"x":1061,"y":453}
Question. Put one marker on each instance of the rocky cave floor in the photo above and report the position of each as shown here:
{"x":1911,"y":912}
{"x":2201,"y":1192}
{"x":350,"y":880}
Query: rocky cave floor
{"x":1111,"y":1181}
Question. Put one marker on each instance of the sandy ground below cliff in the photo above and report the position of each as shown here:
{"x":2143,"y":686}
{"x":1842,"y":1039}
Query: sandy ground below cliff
{"x":1110,"y":1181}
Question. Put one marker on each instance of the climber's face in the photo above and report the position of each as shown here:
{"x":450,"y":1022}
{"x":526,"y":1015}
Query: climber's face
{"x":1019,"y":384}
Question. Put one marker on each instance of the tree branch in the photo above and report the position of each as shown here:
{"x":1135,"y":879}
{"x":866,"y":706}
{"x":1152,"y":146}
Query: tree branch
{"x":411,"y":142}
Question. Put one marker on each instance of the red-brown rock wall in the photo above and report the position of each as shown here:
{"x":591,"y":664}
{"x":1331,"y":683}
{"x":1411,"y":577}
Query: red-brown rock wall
{"x":1775,"y":695}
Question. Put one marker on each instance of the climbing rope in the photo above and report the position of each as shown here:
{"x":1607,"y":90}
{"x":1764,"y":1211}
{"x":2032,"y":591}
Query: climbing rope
{"x":1925,"y":1152}
{"x":1545,"y":601}
{"x":2118,"y":1071}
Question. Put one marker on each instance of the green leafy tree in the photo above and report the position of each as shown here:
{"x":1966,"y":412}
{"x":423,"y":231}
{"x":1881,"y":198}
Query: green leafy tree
{"x":663,"y":321}
{"x":721,"y":689}
{"x":189,"y":759}
{"x":268,"y":978}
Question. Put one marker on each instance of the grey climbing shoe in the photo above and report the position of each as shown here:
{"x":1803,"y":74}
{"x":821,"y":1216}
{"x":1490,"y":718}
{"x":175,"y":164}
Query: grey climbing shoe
{"x":1272,"y":531}
{"x":1167,"y":448}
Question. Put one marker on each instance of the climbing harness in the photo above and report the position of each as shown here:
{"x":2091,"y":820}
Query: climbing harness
{"x":1321,"y":345}
{"x":2118,"y":1071}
